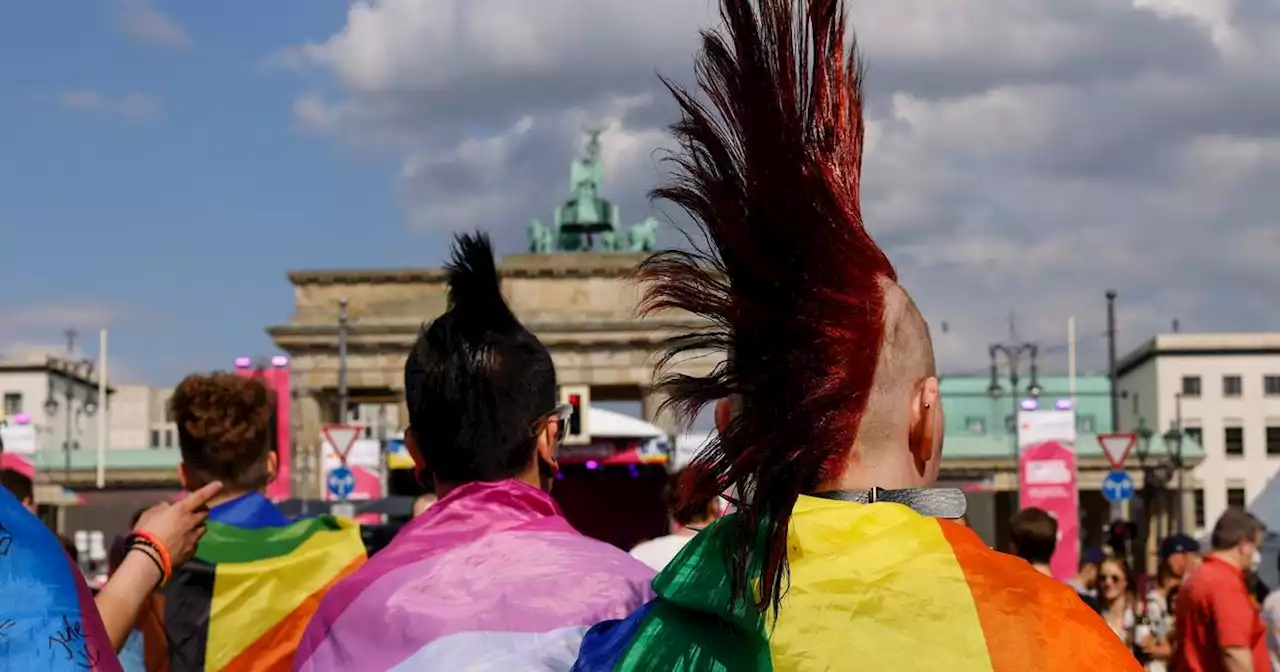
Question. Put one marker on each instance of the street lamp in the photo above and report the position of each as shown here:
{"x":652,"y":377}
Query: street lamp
{"x":1173,"y":444}
{"x":1013,"y":355}
{"x":88,"y":406}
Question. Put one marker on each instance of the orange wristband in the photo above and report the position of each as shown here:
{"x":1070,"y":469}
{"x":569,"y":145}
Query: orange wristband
{"x":166,"y":563}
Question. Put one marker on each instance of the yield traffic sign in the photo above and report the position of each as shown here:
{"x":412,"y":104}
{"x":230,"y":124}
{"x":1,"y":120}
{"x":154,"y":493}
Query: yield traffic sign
{"x":1116,"y":447}
{"x":342,"y":438}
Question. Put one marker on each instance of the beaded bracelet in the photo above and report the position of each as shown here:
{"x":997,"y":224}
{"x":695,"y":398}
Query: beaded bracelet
{"x":150,"y":540}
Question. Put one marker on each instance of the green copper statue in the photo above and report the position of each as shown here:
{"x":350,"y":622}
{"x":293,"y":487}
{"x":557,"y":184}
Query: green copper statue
{"x":587,"y":221}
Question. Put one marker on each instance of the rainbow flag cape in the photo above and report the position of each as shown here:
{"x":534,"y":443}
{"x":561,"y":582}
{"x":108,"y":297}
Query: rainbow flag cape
{"x":48,"y":620}
{"x":491,"y":577}
{"x":244,"y":600}
{"x":873,"y":587}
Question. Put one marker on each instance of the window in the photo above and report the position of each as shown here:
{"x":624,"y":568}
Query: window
{"x":155,"y":438}
{"x":1271,"y":386}
{"x":1191,"y":386}
{"x":976,"y":424}
{"x":1233,"y":441}
{"x":12,"y":403}
{"x":1235,"y":498}
{"x":1231,"y":386}
{"x":1273,"y":440}
{"x":1085,"y":424}
{"x":1010,"y":423}
{"x":1196,"y":434}
{"x":1197,"y":499}
{"x":168,"y":438}
{"x":168,"y":412}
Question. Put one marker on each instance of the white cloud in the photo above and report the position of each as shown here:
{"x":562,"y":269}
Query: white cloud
{"x":1021,"y":156}
{"x":132,"y":106}
{"x":140,"y":21}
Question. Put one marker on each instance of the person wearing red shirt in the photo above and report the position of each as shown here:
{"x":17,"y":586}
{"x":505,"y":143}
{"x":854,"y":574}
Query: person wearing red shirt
{"x":1218,"y":626}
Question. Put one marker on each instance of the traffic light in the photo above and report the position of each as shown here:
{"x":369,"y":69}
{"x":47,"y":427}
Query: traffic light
{"x":1119,"y":534}
{"x":579,"y":430}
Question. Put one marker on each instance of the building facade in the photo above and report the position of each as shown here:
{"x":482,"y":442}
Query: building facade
{"x":1223,"y":390}
{"x":57,"y":396}
{"x":140,"y":418}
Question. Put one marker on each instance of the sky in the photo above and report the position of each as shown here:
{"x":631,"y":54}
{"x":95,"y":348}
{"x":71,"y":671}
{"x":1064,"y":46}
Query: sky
{"x":164,"y":164}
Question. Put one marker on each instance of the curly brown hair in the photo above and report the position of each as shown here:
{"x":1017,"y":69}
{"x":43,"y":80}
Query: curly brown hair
{"x":224,"y":425}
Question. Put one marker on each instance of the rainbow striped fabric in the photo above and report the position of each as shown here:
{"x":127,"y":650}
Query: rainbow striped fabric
{"x":492,"y":577}
{"x":873,"y":587}
{"x":243,"y":602}
{"x":48,"y":620}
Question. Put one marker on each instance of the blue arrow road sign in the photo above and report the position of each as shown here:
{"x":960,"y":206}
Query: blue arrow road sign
{"x":1117,"y":486}
{"x":342,"y":482}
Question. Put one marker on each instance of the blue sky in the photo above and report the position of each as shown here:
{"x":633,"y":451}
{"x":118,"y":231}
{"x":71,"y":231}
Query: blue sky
{"x":175,"y":215}
{"x":155,"y":175}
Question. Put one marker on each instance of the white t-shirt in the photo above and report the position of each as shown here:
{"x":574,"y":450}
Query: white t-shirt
{"x":1271,"y":617}
{"x":658,"y":552}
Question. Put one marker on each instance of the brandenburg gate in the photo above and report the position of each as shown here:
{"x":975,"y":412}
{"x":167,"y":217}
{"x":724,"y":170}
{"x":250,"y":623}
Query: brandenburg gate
{"x":573,"y":289}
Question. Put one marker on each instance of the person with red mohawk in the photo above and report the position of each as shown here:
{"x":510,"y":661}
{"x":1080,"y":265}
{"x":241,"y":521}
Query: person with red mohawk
{"x":839,"y":556}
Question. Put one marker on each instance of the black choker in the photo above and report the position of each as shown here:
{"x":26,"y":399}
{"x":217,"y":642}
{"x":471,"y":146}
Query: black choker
{"x":948,"y":503}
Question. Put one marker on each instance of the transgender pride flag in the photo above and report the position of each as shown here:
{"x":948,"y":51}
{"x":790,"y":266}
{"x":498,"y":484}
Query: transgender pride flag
{"x":491,"y":577}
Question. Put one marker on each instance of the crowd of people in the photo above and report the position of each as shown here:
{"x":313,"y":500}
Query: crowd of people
{"x":1200,"y":613}
{"x":839,"y":552}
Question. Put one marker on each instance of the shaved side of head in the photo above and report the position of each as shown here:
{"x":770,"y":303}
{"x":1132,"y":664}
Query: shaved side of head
{"x":906,"y":361}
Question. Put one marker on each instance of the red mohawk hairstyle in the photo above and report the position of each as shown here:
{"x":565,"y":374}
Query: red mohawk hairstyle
{"x":788,"y":277}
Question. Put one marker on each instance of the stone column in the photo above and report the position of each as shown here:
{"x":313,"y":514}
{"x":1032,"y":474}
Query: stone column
{"x":307,"y":443}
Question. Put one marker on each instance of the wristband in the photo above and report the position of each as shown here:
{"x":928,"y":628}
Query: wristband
{"x":148,"y":539}
{"x":154,"y":560}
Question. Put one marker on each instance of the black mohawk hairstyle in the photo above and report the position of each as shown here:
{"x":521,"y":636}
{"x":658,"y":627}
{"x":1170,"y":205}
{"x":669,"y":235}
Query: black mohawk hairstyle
{"x":788,"y":277}
{"x":477,"y":381}
{"x":475,"y":291}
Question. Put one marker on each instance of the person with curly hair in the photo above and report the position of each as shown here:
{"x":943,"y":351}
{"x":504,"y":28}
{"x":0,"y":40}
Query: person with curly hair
{"x":257,"y":575}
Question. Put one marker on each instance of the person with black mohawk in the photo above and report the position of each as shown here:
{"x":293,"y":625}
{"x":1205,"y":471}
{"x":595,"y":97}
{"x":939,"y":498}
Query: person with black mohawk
{"x":839,"y":555}
{"x":491,"y":576}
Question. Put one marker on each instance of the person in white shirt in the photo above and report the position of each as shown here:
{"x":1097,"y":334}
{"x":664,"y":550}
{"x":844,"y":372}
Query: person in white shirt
{"x":687,"y":519}
{"x":1271,"y":618}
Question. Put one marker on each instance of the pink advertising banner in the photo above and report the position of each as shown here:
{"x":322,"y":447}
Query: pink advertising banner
{"x":1048,"y":480}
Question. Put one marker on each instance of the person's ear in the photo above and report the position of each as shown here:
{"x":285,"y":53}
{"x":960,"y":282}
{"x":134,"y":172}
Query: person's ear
{"x":411,"y":444}
{"x":547,"y":446}
{"x":724,"y":414}
{"x":926,"y":423}
{"x":273,"y":465}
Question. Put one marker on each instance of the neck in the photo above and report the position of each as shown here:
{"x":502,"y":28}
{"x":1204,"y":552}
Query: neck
{"x":888,"y":467}
{"x":1230,"y":557}
{"x":1116,"y":607}
{"x":529,"y":477}
{"x":1042,"y":568}
{"x":226,"y":495}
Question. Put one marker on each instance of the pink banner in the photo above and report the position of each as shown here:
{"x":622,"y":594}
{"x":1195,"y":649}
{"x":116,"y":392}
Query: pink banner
{"x":1048,"y":480}
{"x":277,"y":379}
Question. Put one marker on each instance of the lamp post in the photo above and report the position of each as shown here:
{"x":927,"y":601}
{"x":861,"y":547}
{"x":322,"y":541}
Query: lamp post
{"x":70,"y":371}
{"x":1013,"y":354}
{"x":1173,"y":444}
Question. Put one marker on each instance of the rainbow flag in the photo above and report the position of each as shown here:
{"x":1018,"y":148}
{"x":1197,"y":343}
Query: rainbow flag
{"x":873,"y":587}
{"x":244,"y":600}
{"x":48,"y":620}
{"x":491,"y":577}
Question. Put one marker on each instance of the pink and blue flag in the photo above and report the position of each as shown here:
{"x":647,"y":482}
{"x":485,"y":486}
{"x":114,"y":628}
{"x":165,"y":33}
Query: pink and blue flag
{"x":48,"y":620}
{"x":490,"y":577}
